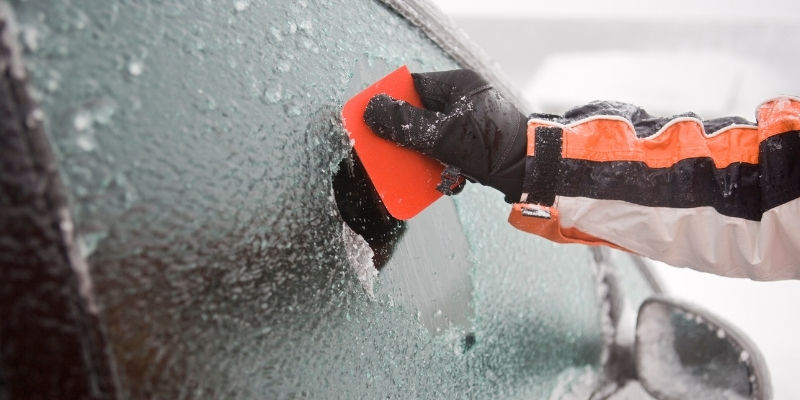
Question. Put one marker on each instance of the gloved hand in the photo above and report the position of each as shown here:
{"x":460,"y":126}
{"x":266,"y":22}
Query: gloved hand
{"x":465,"y":123}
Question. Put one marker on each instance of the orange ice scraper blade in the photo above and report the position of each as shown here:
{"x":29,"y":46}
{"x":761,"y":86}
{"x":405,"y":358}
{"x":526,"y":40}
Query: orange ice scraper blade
{"x":405,"y":180}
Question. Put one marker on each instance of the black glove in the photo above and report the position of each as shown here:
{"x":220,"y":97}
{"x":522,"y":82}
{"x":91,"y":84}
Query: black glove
{"x":465,"y":123}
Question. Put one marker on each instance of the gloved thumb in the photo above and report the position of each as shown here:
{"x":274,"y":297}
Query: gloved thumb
{"x":404,"y":124}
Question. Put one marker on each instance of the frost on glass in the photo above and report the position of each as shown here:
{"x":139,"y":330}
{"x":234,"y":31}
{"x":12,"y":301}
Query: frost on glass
{"x":536,"y":302}
{"x":197,"y":141}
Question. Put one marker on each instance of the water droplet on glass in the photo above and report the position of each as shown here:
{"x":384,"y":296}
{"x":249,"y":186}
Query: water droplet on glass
{"x":294,"y":111}
{"x":273,"y":94}
{"x":284,"y":66}
{"x":241,"y":5}
{"x":36,"y":116}
{"x":82,"y":121}
{"x":51,"y":85}
{"x":87,"y":243}
{"x":306,"y":26}
{"x":81,"y":21}
{"x":744,"y":356}
{"x":276,"y":33}
{"x":135,"y":68}
{"x":30,"y":38}
{"x":86,"y":143}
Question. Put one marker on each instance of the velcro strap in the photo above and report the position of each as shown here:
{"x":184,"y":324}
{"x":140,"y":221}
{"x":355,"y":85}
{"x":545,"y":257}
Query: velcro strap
{"x":541,"y":169}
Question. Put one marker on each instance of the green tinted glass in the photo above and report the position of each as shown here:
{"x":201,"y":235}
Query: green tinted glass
{"x":198,"y":141}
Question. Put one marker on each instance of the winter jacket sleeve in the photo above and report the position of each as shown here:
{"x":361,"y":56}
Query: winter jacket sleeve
{"x":719,"y":195}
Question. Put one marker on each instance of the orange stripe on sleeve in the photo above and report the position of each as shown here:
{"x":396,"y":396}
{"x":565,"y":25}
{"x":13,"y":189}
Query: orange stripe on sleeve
{"x":734,"y":145}
{"x":778,"y":116}
{"x":614,"y":139}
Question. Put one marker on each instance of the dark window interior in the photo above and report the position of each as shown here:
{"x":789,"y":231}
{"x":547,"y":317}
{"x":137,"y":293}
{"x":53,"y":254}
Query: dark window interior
{"x":362,"y":209}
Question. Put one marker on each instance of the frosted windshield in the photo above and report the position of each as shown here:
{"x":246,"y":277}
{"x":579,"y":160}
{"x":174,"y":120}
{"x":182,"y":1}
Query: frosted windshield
{"x":198,"y":141}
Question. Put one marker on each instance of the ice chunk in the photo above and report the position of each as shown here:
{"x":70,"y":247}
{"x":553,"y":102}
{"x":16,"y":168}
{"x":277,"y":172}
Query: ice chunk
{"x":359,"y":255}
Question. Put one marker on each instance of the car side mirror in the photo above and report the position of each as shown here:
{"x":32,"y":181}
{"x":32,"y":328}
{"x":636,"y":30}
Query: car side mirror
{"x":683,"y":352}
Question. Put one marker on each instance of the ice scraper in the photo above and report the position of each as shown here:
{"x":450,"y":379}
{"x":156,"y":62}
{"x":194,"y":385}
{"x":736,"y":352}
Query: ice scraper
{"x":405,"y":179}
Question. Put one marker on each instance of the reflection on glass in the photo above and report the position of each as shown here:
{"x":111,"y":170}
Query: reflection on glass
{"x":681,"y":355}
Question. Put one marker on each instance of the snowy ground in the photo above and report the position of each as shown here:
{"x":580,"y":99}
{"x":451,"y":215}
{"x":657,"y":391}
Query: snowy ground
{"x":715,"y":57}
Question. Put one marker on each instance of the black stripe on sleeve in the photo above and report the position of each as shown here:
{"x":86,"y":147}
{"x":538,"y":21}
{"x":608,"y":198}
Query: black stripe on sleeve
{"x":695,"y":182}
{"x":740,"y":190}
{"x":779,"y":158}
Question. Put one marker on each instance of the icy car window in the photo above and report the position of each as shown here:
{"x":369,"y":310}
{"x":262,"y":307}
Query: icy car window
{"x":530,"y":292}
{"x":198,"y":141}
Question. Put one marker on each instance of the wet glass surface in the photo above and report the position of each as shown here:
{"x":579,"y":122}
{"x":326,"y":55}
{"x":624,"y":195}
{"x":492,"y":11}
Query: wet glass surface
{"x":198,"y":142}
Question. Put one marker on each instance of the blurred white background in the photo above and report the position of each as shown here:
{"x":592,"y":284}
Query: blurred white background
{"x":713,"y":57}
{"x":638,"y":10}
